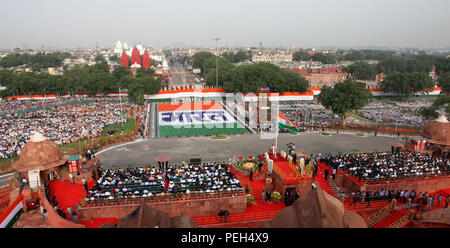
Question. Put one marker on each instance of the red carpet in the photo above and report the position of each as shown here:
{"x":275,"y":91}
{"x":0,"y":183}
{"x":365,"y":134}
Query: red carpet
{"x":393,"y":217}
{"x":66,"y":193}
{"x":444,"y":192}
{"x":283,"y":164}
{"x":323,"y":184}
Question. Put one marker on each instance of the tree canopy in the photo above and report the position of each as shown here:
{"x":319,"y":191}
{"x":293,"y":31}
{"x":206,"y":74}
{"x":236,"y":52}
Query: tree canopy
{"x":248,"y":78}
{"x":324,"y":58}
{"x":404,"y":64}
{"x":199,"y":58}
{"x":80,"y":79}
{"x":431,"y":112}
{"x":405,"y":83}
{"x":444,"y":82}
{"x":36,"y":62}
{"x":362,"y":70}
{"x":239,"y":56}
{"x":344,"y":97}
{"x":301,"y":56}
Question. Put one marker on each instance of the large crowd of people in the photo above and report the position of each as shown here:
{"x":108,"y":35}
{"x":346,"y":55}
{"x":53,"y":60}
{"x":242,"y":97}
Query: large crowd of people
{"x":389,"y":166}
{"x":394,"y":117}
{"x":170,"y":180}
{"x":390,"y":113}
{"x":63,"y":124}
{"x":422,"y":201}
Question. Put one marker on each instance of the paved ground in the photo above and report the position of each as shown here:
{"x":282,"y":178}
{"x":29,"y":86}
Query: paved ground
{"x":144,"y":152}
{"x":4,"y":179}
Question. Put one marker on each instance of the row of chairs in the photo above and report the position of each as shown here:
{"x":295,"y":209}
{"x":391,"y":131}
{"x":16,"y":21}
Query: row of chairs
{"x":158,"y":198}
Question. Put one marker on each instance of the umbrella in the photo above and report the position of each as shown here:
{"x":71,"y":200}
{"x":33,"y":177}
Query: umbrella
{"x":162,"y":159}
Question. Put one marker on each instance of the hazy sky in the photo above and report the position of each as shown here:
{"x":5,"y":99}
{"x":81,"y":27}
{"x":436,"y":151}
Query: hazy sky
{"x":300,"y":23}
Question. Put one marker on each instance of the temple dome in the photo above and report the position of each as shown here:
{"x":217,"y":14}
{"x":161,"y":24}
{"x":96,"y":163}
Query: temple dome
{"x":135,"y":65}
{"x":39,"y":154}
{"x":438,"y":131}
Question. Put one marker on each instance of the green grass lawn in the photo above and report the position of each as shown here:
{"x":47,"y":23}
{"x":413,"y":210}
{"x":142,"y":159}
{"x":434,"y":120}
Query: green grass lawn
{"x":130,"y":125}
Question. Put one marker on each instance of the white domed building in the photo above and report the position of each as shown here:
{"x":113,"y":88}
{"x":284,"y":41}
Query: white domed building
{"x":118,"y":48}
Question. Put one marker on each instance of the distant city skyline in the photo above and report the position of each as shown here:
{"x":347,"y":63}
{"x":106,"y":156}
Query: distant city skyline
{"x":284,"y":23}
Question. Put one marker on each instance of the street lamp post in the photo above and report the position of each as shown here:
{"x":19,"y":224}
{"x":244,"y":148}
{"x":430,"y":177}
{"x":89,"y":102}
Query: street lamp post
{"x":217,"y":64}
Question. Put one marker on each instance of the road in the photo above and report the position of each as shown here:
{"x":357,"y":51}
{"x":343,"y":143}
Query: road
{"x":179,"y":78}
{"x":4,"y":179}
{"x":183,"y":149}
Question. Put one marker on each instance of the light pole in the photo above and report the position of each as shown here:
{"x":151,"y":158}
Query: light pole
{"x":121,"y":115}
{"x":217,"y":64}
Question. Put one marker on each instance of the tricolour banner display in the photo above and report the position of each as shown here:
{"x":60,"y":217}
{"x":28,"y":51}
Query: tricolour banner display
{"x":193,"y":113}
{"x":12,"y":213}
{"x":284,"y":122}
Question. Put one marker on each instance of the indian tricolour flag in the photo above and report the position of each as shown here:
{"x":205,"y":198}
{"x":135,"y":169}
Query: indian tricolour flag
{"x":12,"y":213}
{"x":283,"y":122}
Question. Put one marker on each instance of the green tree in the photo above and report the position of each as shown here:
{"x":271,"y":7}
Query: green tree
{"x":99,"y":58}
{"x":354,"y":55}
{"x":114,"y":58}
{"x":345,"y":97}
{"x":229,"y":56}
{"x":248,"y":78}
{"x":137,"y":87}
{"x":120,"y":72}
{"x":431,"y":112}
{"x":405,"y":64}
{"x":442,"y":65}
{"x":301,"y":56}
{"x":406,"y":84}
{"x":240,"y":56}
{"x":99,"y":67}
{"x":141,"y":72}
{"x":324,"y":58}
{"x":36,"y":62}
{"x":428,"y":112}
{"x":199,"y":58}
{"x":76,"y":77}
{"x":6,"y":77}
{"x":444,"y":82}
{"x":362,"y":70}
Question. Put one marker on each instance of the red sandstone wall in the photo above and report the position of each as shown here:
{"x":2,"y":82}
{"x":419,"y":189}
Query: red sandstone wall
{"x":246,"y":224}
{"x":54,"y":219}
{"x":420,"y":186}
{"x":246,"y":173}
{"x":4,"y":198}
{"x":303,"y":187}
{"x":174,"y":208}
{"x":427,"y":224}
{"x":347,"y":184}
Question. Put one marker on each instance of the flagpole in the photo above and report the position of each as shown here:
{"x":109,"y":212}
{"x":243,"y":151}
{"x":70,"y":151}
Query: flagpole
{"x":276,"y":134}
{"x":10,"y":153}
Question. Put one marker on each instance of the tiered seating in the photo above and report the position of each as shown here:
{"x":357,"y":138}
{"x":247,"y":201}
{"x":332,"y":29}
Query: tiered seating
{"x":385,"y":167}
{"x":191,"y":181}
{"x":256,"y":212}
{"x":208,"y":178}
